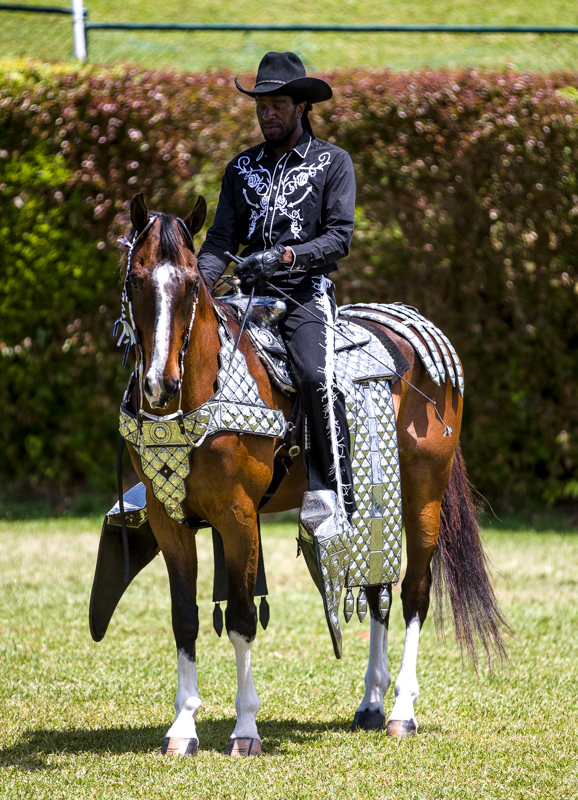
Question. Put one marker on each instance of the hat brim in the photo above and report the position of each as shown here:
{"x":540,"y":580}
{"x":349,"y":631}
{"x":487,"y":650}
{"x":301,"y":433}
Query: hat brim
{"x":314,"y":90}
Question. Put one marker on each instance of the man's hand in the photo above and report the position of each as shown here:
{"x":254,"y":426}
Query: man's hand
{"x":259,"y":267}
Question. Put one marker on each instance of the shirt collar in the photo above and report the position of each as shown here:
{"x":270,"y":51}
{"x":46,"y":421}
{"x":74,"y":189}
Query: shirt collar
{"x":301,"y":148}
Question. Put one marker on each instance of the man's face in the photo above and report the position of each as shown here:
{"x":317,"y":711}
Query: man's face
{"x":278,"y":117}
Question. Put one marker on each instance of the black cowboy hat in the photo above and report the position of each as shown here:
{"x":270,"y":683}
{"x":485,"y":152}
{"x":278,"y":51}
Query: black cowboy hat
{"x":284,"y":73}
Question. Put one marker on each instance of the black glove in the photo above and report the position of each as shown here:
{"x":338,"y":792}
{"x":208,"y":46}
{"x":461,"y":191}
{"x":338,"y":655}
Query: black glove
{"x":259,"y":267}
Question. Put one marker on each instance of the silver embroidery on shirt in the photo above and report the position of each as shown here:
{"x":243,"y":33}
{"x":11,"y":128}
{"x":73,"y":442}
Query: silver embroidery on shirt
{"x":293,"y":189}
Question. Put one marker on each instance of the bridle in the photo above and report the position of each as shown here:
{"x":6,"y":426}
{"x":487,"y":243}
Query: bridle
{"x":125,"y":327}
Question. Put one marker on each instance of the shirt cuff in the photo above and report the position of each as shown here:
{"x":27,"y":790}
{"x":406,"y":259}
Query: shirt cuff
{"x":298,"y":264}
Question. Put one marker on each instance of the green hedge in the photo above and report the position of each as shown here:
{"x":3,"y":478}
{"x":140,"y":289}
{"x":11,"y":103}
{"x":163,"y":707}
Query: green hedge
{"x":467,"y":208}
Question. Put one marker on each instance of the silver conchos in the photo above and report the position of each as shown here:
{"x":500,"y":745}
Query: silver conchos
{"x":164,"y":443}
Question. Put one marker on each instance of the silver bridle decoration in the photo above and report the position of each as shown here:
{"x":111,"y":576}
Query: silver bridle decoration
{"x":122,"y":327}
{"x":127,"y":329}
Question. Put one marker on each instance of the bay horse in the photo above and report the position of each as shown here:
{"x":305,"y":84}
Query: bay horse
{"x":230,"y":474}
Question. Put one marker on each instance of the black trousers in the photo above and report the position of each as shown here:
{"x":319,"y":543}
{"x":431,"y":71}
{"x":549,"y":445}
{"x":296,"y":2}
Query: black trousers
{"x":309,"y":343}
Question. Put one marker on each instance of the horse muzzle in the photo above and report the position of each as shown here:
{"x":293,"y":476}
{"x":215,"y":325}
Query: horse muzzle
{"x":159,"y":391}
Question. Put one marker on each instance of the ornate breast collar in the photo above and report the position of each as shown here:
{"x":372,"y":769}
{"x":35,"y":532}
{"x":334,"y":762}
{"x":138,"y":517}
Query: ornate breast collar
{"x":164,"y":443}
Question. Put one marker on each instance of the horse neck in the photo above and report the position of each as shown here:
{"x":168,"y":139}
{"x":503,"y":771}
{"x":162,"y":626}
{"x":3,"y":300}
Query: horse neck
{"x":201,"y":360}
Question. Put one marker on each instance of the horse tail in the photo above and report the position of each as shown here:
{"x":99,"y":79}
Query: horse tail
{"x":460,"y":571}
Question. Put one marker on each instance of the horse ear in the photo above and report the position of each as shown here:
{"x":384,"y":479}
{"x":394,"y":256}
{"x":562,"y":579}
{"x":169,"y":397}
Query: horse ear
{"x":195,"y":219}
{"x":139,"y":216}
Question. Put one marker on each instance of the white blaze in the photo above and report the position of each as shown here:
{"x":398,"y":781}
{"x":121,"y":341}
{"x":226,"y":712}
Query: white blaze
{"x":163,"y":275}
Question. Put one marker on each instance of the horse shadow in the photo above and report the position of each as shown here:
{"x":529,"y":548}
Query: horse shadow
{"x":34,"y":749}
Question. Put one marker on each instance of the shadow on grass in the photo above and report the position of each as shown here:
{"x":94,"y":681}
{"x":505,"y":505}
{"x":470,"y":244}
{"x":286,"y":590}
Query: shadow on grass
{"x":36,"y":748}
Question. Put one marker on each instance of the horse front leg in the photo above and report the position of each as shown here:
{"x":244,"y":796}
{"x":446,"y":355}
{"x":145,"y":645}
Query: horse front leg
{"x":239,"y":531}
{"x":369,"y":715}
{"x":180,"y":553}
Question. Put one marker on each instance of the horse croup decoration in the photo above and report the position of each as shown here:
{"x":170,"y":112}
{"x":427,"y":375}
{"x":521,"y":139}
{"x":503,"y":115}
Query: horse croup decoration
{"x":207,"y":427}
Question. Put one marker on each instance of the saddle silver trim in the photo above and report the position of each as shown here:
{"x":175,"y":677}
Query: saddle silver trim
{"x":262,"y":327}
{"x":366,"y":552}
{"x":428,"y":341}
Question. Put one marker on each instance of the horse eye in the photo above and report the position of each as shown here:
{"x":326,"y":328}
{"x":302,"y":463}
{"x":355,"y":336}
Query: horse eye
{"x":134,"y":283}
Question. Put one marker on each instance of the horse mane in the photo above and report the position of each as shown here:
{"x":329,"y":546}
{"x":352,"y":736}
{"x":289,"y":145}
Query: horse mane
{"x":171,"y":238}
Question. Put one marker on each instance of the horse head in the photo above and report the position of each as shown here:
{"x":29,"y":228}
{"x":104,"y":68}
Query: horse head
{"x":162,"y":284}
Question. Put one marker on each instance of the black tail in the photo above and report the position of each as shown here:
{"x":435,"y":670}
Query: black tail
{"x":460,"y":570}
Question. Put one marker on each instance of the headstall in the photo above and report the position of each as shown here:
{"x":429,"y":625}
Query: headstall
{"x":164,"y":442}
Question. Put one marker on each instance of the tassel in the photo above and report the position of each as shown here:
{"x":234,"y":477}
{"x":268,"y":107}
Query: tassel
{"x":264,"y":613}
{"x":348,"y":605}
{"x":115,"y":327}
{"x":218,"y":619}
{"x":126,"y":354}
{"x":361,"y":604}
{"x":384,"y":602}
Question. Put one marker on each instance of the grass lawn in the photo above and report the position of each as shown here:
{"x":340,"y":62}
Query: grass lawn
{"x":85,"y":720}
{"x":41,"y":36}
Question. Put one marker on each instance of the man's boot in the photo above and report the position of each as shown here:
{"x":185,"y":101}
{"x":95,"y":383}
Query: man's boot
{"x":323,"y":537}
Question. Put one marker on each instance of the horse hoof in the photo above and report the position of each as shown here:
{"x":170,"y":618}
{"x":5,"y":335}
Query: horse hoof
{"x":243,"y":747}
{"x":368,"y":721}
{"x":173,"y":746}
{"x":401,"y":728}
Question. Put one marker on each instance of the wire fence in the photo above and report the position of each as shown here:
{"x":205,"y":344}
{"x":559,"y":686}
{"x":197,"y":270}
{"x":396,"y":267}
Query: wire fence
{"x":46,"y":33}
{"x":39,"y":32}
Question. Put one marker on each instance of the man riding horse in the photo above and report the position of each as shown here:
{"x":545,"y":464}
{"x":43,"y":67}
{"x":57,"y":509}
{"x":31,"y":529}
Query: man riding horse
{"x":290,"y":202}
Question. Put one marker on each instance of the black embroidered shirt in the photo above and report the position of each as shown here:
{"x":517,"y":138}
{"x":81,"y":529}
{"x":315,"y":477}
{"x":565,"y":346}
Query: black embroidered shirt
{"x":305,"y":201}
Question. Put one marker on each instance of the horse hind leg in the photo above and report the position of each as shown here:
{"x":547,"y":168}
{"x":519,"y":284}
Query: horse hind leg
{"x":370,"y":715}
{"x":402,"y":721}
{"x":422,"y":519}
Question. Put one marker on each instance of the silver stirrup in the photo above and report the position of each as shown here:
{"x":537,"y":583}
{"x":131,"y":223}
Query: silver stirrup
{"x":323,"y":536}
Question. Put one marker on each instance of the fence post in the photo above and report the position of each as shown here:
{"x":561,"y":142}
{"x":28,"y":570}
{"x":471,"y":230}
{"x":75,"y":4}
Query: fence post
{"x":79,"y":30}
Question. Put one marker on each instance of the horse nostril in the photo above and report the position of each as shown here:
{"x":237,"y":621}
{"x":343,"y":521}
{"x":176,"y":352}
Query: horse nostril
{"x":147,"y":386}
{"x":171,"y":387}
